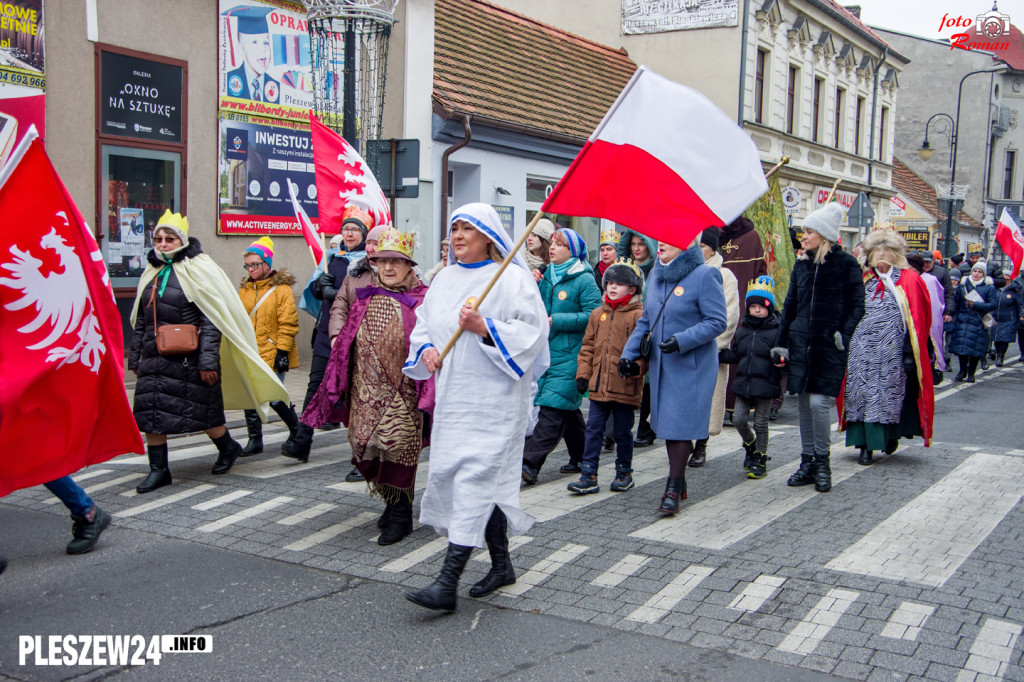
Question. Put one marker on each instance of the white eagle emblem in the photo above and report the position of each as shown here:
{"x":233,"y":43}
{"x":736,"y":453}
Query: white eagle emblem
{"x":360,"y":188}
{"x":61,"y":301}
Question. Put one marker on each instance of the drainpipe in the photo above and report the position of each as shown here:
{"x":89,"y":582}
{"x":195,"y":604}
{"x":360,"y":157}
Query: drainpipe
{"x":444,"y":174}
{"x":743,"y":63}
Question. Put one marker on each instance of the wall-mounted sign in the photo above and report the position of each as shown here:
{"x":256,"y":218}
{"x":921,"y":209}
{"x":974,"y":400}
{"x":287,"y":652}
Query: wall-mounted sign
{"x":657,"y":16}
{"x":845,"y":199}
{"x":917,"y":238}
{"x":897,"y":207}
{"x":791,"y":199}
{"x":507,"y":215}
{"x":140,"y":98}
{"x":22,"y":71}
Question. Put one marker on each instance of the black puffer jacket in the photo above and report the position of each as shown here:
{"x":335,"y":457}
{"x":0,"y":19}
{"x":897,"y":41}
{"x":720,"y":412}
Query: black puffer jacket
{"x":751,"y":351}
{"x":822,"y":300}
{"x":170,"y":396}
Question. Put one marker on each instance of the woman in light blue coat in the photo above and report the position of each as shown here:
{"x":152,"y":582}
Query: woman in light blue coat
{"x":685,"y":312}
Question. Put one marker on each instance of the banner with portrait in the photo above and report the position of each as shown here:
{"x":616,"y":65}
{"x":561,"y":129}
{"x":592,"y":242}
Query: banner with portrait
{"x":22,"y":72}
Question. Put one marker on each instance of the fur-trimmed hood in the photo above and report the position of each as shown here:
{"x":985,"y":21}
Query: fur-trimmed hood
{"x":885,"y":239}
{"x":680,"y":267}
{"x":193,"y":249}
{"x":277,"y":278}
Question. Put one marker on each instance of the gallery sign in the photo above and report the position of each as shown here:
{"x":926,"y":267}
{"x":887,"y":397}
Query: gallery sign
{"x":140,"y":98}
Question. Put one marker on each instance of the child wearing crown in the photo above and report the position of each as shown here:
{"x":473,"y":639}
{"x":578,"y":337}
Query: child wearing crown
{"x":757,"y":380}
{"x":611,"y":393}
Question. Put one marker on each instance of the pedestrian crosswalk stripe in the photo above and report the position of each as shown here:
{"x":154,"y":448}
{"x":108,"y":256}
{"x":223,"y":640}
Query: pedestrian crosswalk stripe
{"x":223,"y":499}
{"x":732,"y":515}
{"x":928,"y":539}
{"x":989,"y":658}
{"x":164,"y":501}
{"x":757,"y":593}
{"x":514,"y":543}
{"x":276,"y":466}
{"x":98,"y":487}
{"x":906,"y":621}
{"x":361,"y":487}
{"x":540,"y":572}
{"x":232,"y":519}
{"x":331,"y":531}
{"x":404,"y":563}
{"x":655,"y":608}
{"x":809,"y":632}
{"x":307,"y":514}
{"x":623,"y":568}
{"x":85,"y":475}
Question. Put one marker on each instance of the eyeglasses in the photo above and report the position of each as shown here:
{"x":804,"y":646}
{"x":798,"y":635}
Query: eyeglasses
{"x":169,"y":240}
{"x":249,"y":267}
{"x":351,"y":230}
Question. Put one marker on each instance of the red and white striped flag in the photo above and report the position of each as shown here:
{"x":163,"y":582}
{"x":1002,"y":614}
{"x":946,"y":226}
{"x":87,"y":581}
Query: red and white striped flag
{"x":665,"y":162}
{"x":309,"y":233}
{"x":1010,"y":240}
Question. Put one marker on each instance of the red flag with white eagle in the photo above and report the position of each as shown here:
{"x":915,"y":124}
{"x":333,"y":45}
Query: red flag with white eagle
{"x":1010,"y":240}
{"x":343,"y":180}
{"x":62,"y":399}
{"x":665,"y":162}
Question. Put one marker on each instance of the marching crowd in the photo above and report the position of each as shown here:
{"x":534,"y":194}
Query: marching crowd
{"x":692,"y":337}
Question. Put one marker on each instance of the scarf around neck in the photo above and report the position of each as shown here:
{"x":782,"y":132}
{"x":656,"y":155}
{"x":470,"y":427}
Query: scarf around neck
{"x":558,"y":270}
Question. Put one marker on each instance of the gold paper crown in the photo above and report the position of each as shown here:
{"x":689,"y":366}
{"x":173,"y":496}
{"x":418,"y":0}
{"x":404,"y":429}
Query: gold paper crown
{"x":610,"y":235}
{"x":174,"y":221}
{"x":631,"y":264}
{"x":974,"y":248}
{"x":884,"y":226}
{"x":393,"y":240}
{"x":763,"y":284}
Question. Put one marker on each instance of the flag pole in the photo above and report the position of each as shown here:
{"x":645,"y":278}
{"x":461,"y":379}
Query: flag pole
{"x":776,"y":168}
{"x":833,"y":192}
{"x":475,"y":305}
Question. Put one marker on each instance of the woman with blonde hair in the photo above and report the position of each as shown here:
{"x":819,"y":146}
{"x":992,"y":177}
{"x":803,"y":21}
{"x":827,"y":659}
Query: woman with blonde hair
{"x":888,"y":392}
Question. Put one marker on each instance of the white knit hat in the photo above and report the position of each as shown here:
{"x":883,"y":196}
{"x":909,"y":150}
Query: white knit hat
{"x":826,"y":221}
{"x":544,"y":229}
{"x":981,"y":265}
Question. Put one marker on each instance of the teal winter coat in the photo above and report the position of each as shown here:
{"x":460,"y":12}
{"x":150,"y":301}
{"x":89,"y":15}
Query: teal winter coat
{"x":569,"y":303}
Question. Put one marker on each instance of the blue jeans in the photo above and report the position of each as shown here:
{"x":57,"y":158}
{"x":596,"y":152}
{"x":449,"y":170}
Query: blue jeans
{"x":72,"y":495}
{"x":622,"y":420}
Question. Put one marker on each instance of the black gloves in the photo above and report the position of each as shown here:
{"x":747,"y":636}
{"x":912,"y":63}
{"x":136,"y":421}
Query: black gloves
{"x":628,"y":368}
{"x":582,"y":385}
{"x":281,"y":361}
{"x":327,"y":288}
{"x":669,"y":345}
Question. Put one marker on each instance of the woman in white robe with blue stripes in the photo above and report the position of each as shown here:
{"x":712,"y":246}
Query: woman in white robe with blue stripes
{"x":483,"y":402}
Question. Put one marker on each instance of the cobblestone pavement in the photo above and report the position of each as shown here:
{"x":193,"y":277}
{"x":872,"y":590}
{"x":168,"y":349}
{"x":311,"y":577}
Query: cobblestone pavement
{"x":912,"y":568}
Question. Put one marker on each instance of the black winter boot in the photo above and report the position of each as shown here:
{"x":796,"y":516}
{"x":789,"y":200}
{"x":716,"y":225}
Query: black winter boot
{"x":748,"y":458}
{"x":287,"y":414}
{"x":228,"y":450}
{"x":699,"y":454}
{"x":86,"y":533}
{"x":299,"y":446}
{"x":675,"y":492}
{"x":822,"y":473}
{"x":440,"y":596}
{"x":255,"y":428}
{"x":399,"y":521}
{"x":758,"y":465}
{"x":805,"y":474}
{"x":159,"y":474}
{"x":501,"y":573}
{"x":1000,"y":358}
{"x":382,"y":522}
{"x":865,"y":458}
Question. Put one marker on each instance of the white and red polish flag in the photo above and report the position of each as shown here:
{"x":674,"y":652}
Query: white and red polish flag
{"x":1010,"y":240}
{"x":62,"y":397}
{"x":665,"y":162}
{"x":309,"y":233}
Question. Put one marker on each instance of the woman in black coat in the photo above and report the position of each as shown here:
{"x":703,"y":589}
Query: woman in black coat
{"x":176,"y":393}
{"x":824,"y":304}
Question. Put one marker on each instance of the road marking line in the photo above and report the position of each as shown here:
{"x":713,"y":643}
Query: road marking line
{"x":98,"y":487}
{"x":278,"y":466}
{"x":809,"y":632}
{"x":985,"y":377}
{"x":203,"y":449}
{"x":361,"y":487}
{"x":514,"y":543}
{"x":332,"y":531}
{"x":733,"y":514}
{"x":1016,"y":453}
{"x":623,"y":568}
{"x":407,"y":561}
{"x":928,"y":539}
{"x":164,"y":501}
{"x":970,"y":448}
{"x":906,"y":621}
{"x":223,"y":499}
{"x":658,"y":606}
{"x":307,"y":514}
{"x":757,"y":593}
{"x":79,"y":476}
{"x":541,"y":571}
{"x":232,"y":519}
{"x":989,"y":657}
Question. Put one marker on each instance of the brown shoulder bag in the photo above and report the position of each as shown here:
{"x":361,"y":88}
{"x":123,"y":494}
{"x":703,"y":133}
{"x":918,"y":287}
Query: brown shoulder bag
{"x":173,"y":339}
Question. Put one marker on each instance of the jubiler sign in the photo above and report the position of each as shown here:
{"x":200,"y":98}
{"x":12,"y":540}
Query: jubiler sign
{"x":140,"y":98}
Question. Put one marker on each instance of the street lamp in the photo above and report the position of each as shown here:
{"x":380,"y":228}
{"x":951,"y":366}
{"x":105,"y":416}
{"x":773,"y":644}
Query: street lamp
{"x":926,"y":152}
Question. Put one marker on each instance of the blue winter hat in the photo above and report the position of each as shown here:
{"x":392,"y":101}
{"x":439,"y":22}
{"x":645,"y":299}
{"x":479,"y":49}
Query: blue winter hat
{"x":762,"y":290}
{"x":576,"y":244}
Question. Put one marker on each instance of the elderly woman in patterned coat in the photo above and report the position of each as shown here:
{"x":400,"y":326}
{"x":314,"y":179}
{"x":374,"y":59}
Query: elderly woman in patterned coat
{"x":888,"y":392}
{"x":365,"y":388}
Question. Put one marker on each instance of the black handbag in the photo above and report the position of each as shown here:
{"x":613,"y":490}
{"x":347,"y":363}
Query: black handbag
{"x":646,"y":344}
